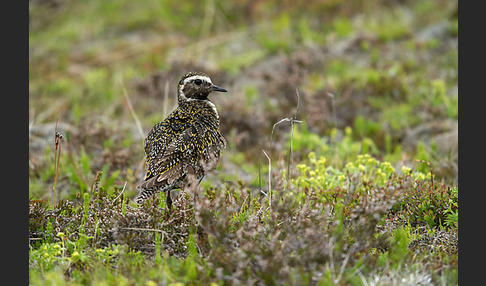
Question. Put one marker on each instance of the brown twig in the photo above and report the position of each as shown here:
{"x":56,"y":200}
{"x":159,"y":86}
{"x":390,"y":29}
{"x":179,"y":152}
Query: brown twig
{"x":166,"y":98}
{"x":57,"y":156}
{"x":292,"y":122}
{"x":132,"y":111}
{"x":333,"y":103}
{"x":269,"y":179}
{"x":144,"y":229}
{"x":113,"y":202}
{"x":96,"y":182}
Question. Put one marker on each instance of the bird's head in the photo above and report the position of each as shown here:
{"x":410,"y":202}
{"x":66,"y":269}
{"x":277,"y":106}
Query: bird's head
{"x":196,"y":86}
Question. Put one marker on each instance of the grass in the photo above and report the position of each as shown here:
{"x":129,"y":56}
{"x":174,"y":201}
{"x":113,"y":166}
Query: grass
{"x":361,"y":190}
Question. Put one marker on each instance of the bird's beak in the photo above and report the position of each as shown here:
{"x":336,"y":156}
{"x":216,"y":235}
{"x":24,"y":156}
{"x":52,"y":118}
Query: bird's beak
{"x":217,"y":88}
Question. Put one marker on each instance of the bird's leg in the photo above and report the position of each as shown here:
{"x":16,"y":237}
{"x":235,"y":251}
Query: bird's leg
{"x":196,"y":193}
{"x":168,"y":201}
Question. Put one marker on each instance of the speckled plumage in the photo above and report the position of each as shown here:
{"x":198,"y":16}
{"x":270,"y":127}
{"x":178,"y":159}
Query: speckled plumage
{"x":186,"y":143}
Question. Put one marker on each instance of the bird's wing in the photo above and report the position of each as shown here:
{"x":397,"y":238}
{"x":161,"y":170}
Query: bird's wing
{"x":177,"y":145}
{"x":167,"y":155}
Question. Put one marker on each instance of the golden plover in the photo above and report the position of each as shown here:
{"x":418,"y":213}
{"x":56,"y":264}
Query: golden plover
{"x":187,"y":143}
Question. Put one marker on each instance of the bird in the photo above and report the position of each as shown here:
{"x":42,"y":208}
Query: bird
{"x":186,"y":144}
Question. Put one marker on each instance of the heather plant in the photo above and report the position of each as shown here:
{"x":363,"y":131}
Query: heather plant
{"x":433,"y":204}
{"x":231,"y":234}
{"x":268,"y":246}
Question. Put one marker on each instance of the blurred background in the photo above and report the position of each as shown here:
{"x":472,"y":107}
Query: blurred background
{"x":374,"y":77}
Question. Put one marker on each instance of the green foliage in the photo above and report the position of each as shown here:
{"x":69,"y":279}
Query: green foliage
{"x":274,"y":38}
{"x":236,"y":63}
{"x":303,"y":140}
{"x":454,"y":27}
{"x":46,"y":257}
{"x":343,"y":27}
{"x":400,"y":117}
{"x":158,"y":249}
{"x":366,"y":127}
{"x":398,"y":252}
{"x":452,"y":212}
{"x":49,"y":231}
{"x":308,"y":35}
{"x":79,"y":170}
{"x":440,"y":97}
{"x":433,"y":204}
{"x":392,"y":30}
{"x":189,"y":263}
{"x":337,"y":148}
{"x":109,"y":181}
{"x":51,"y":259}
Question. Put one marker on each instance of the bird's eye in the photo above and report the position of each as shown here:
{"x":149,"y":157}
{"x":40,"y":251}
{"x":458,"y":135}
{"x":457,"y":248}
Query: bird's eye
{"x":198,"y":81}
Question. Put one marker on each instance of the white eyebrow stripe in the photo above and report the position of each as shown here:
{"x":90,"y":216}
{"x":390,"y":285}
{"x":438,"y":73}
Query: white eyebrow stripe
{"x":201,"y":77}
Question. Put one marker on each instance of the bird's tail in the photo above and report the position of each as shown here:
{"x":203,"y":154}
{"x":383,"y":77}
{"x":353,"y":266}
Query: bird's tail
{"x":144,"y":194}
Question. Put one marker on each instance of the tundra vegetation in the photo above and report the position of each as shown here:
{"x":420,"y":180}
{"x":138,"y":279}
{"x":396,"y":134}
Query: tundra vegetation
{"x":341,"y":120}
